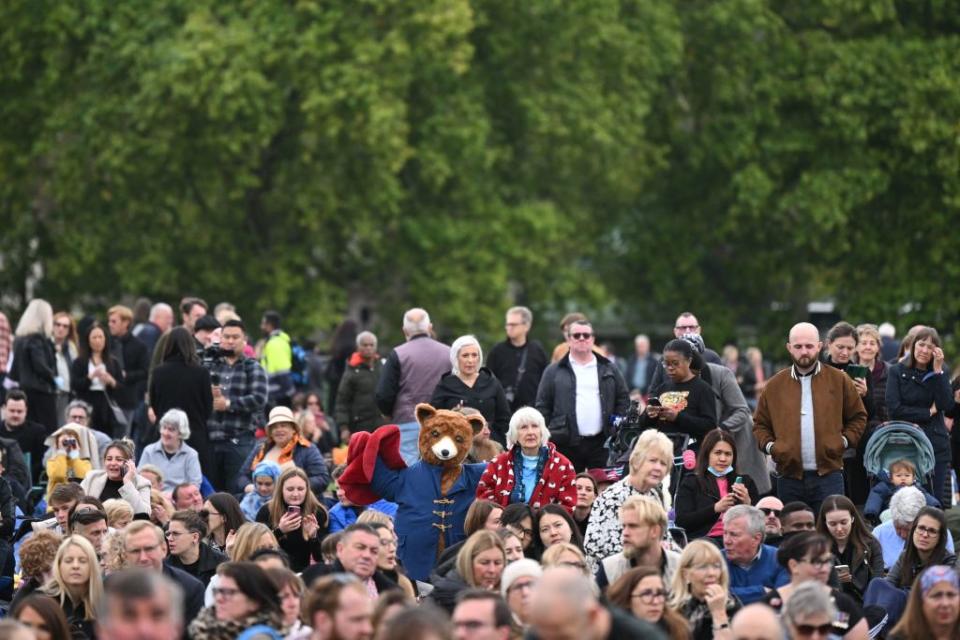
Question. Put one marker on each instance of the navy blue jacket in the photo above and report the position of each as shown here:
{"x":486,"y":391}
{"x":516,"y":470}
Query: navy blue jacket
{"x":910,"y":394}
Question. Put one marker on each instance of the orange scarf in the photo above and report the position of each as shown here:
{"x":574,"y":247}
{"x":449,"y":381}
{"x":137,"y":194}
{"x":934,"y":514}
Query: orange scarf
{"x":286,"y":455}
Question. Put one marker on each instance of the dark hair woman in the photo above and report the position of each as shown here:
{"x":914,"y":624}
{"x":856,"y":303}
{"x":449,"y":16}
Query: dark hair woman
{"x":96,"y":376}
{"x":44,"y":615}
{"x":481,"y":514}
{"x":518,"y":518}
{"x":852,"y":545}
{"x":933,"y":608}
{"x":554,"y":524}
{"x":642,"y":592}
{"x":223,"y":515}
{"x":297,"y":518}
{"x":705,"y":496}
{"x":926,"y":546}
{"x":182,"y":383}
{"x":684,"y":402}
{"x":806,"y":556}
{"x":918,"y":391}
{"x":245,"y":597}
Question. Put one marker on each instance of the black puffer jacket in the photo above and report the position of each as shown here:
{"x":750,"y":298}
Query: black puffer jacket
{"x":486,"y":396}
{"x":356,"y":407}
{"x":557,"y":398}
{"x":910,"y":394}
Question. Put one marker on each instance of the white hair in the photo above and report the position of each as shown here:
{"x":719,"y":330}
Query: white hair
{"x":522,"y":416}
{"x":416,"y":321}
{"x":887,"y":330}
{"x":754,"y":517}
{"x":906,"y":504}
{"x":179,"y":419}
{"x":157,"y":308}
{"x":808,"y":599}
{"x":363,"y":335}
{"x":458,"y":344}
{"x":36,"y":318}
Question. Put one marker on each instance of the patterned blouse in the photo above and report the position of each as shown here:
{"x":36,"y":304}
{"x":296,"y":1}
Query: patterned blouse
{"x":604,"y":531}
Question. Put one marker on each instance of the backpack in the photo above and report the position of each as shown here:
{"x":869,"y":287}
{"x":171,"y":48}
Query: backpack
{"x":299,"y":367}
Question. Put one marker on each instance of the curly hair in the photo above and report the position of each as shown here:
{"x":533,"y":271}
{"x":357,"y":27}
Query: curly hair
{"x":38,"y":551}
{"x":114,"y":552}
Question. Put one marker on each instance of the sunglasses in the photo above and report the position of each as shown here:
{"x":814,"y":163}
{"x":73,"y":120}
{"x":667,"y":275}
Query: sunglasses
{"x":767,"y":511}
{"x":581,"y":336}
{"x":809,"y":629}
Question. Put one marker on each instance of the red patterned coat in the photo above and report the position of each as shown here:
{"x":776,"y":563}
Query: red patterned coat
{"x":556,"y":485}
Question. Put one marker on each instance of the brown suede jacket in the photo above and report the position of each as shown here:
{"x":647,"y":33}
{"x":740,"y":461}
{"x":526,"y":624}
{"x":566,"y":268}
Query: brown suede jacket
{"x":838,"y":413}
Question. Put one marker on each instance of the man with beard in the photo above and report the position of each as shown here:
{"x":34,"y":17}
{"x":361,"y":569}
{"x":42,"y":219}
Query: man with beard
{"x":823,"y":402}
{"x":338,"y":607}
{"x":644,"y":522}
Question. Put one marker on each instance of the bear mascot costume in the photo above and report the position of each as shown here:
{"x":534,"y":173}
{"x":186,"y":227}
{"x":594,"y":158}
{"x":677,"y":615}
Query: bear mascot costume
{"x":432,"y":495}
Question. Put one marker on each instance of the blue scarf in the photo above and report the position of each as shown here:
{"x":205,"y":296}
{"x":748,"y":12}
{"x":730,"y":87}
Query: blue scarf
{"x":518,"y":493}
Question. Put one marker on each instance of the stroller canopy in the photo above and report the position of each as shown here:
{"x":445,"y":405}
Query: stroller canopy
{"x":897,"y":441}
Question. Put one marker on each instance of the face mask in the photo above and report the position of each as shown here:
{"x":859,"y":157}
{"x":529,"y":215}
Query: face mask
{"x":719,"y":474}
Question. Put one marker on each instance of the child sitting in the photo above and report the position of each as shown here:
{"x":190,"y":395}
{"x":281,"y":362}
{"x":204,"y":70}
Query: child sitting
{"x":264,"y":475}
{"x":902,"y":474}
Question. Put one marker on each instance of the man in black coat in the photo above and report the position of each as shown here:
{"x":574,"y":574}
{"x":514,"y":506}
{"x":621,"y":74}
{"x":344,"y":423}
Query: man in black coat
{"x":357,"y":553}
{"x":517,"y":362}
{"x":29,"y":435}
{"x":134,"y":358}
{"x":146,"y":548}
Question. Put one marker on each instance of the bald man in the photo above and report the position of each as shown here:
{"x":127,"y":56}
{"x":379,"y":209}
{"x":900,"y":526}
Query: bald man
{"x":807,"y":415}
{"x":772,"y":527}
{"x":757,"y":622}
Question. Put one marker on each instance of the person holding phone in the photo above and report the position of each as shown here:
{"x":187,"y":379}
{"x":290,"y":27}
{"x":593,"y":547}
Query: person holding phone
{"x":694,"y":409}
{"x":299,"y":521}
{"x":858,"y":555}
{"x":918,"y":391}
{"x":715,"y":486}
{"x":119,"y":479}
{"x":67,"y":462}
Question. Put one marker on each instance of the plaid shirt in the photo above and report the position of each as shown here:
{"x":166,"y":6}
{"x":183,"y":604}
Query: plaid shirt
{"x":245,"y":385}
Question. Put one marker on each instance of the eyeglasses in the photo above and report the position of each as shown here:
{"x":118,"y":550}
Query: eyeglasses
{"x":927,"y":531}
{"x":223,"y":591}
{"x":767,"y":511}
{"x":511,"y":325}
{"x":810,"y":629}
{"x":647,"y":596}
{"x":581,"y":336}
{"x":819,"y":563}
{"x":521,"y":533}
{"x":686,"y":327}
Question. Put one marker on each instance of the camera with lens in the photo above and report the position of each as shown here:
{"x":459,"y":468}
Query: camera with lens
{"x":211,"y":355}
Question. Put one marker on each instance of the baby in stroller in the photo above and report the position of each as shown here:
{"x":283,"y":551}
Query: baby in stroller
{"x":902,"y":473}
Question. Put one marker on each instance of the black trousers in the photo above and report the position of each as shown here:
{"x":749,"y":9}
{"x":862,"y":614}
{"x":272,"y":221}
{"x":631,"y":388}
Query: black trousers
{"x":589,"y":453}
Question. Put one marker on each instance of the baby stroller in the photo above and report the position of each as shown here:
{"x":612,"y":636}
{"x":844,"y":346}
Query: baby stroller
{"x":896,"y":440}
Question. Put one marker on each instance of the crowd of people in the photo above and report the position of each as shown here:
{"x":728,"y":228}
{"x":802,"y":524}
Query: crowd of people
{"x":163,"y":479}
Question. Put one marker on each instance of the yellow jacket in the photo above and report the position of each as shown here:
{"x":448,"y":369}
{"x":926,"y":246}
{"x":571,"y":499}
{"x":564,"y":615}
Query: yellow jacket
{"x":60,"y":465}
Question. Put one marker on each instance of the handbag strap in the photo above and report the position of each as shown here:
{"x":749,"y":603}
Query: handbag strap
{"x":523,"y":366}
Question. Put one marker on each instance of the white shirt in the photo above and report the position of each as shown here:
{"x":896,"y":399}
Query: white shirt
{"x":589,"y":412}
{"x":808,"y":444}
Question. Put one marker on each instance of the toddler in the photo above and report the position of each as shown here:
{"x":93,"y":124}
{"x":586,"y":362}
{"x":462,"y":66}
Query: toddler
{"x":902,"y":473}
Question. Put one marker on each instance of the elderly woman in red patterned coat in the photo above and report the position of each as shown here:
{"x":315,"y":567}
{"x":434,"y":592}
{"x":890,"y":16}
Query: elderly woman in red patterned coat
{"x":531,"y":470}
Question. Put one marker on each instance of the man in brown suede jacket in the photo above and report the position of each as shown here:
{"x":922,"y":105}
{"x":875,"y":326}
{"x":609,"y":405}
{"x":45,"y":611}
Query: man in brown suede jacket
{"x":806,"y":417}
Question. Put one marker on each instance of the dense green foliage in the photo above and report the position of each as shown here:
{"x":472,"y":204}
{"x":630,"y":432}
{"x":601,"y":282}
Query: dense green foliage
{"x":736,"y":157}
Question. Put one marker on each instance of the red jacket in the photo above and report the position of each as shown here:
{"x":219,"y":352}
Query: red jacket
{"x":557,"y":485}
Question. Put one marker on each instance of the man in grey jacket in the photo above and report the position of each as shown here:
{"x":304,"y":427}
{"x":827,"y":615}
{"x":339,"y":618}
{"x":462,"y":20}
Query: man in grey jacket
{"x":409,"y":376}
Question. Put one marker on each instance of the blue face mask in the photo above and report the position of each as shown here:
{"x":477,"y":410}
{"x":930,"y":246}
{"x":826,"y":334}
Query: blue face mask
{"x":719,"y":474}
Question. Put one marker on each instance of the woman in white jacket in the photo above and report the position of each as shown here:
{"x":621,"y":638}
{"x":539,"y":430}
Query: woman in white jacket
{"x":119,"y":479}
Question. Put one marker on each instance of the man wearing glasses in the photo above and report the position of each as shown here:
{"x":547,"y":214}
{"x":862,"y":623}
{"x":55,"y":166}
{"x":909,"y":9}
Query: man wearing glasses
{"x":146,"y":548}
{"x":188,"y":552}
{"x":578,"y":396}
{"x":685,"y":325}
{"x":518,"y":362}
{"x":772,"y":527}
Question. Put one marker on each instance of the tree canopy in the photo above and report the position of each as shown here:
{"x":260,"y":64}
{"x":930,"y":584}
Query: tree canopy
{"x":734,"y":157}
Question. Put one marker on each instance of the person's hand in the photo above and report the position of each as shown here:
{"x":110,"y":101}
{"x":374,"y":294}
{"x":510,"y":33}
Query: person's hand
{"x":844,"y":576}
{"x":289,"y":522}
{"x":933,"y":409}
{"x":938,"y":360}
{"x":159,"y":515}
{"x":151,"y":415}
{"x":724,"y":503}
{"x":130,"y":472}
{"x":861,"y":385}
{"x":248,"y":488}
{"x":228,"y":543}
{"x":219,"y":402}
{"x":345,"y":435}
{"x":668,"y":413}
{"x":310,"y":526}
{"x":740,"y":491}
{"x":956,"y":395}
{"x":716,"y":598}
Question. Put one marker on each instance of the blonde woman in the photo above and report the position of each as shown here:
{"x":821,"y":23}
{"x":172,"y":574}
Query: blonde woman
{"x":34,"y":365}
{"x":76,"y":583}
{"x":298,"y":520}
{"x":119,"y":513}
{"x":701,"y":591}
{"x":649,"y":465}
{"x":241,"y":545}
{"x":566,"y":554}
{"x":479,"y":564}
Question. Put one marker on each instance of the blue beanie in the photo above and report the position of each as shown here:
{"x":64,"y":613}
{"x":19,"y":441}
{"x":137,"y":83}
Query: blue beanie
{"x":269,"y":469}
